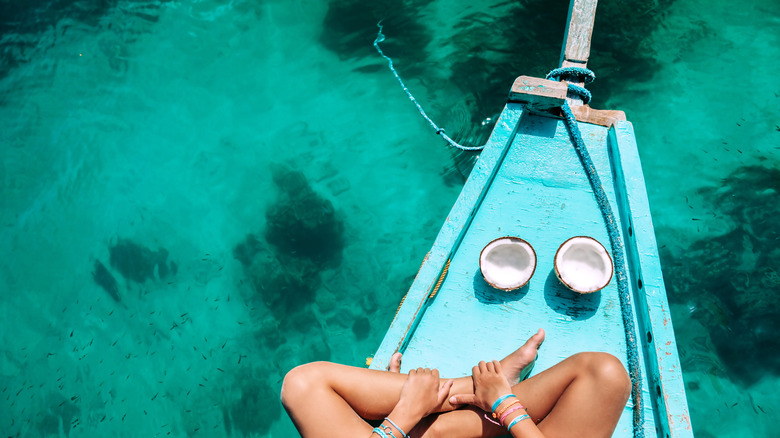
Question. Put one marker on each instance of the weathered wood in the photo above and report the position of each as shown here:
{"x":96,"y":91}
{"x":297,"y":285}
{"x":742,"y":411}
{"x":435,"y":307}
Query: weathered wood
{"x":576,"y":40}
{"x":545,"y":96}
{"x":540,"y":94}
{"x":584,"y":113}
{"x":579,"y":28}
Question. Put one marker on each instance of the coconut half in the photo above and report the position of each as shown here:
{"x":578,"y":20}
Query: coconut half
{"x":507,"y":263}
{"x":583,"y":265}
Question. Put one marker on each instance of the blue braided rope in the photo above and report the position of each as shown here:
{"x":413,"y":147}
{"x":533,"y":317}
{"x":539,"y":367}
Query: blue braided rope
{"x":632,"y":350}
{"x":582,"y":74}
{"x":380,"y":37}
{"x":585,"y":74}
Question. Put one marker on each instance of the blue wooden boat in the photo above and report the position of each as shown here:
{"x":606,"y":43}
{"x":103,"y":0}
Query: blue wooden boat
{"x":530,"y":182}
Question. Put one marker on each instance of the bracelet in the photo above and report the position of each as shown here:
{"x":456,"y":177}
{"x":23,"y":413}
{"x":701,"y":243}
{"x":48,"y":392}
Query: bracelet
{"x":491,"y":420}
{"x":379,"y":432}
{"x":386,"y":430}
{"x":498,"y":413}
{"x":516,"y":408}
{"x":403,"y":434}
{"x":501,"y":399}
{"x":517,"y":420}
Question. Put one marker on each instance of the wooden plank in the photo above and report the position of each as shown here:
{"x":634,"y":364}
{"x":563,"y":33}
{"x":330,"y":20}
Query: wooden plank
{"x":579,"y":28}
{"x":584,"y":113}
{"x":542,"y":95}
{"x":654,"y":316}
{"x":539,"y":94}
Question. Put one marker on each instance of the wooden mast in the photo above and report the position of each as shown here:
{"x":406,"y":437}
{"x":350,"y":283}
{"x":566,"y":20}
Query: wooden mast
{"x":575,"y":53}
{"x":579,"y":28}
{"x":576,"y":40}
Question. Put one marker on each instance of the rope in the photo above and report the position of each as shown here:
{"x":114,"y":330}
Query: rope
{"x":441,"y":279}
{"x":380,"y":37}
{"x":632,"y":350}
{"x":401,"y":304}
{"x":579,"y":74}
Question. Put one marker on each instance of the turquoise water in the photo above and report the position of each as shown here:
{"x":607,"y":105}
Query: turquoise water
{"x":199,"y":195}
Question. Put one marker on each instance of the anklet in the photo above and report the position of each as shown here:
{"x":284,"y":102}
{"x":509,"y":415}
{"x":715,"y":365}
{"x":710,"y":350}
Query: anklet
{"x":403,"y":434}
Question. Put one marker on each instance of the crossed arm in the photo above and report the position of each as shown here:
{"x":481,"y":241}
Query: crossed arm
{"x":424,"y":393}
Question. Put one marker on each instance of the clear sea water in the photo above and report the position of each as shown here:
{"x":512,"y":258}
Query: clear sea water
{"x":162,"y":161}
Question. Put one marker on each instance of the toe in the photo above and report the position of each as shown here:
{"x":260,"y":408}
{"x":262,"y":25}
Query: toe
{"x":395,"y":363}
{"x":536,"y":340}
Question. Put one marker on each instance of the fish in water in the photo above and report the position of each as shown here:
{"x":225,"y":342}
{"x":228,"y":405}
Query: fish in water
{"x":106,"y":280}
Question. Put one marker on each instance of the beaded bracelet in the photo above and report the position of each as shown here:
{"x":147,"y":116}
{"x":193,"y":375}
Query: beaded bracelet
{"x":403,"y":434}
{"x":517,"y":420}
{"x":500,"y":400}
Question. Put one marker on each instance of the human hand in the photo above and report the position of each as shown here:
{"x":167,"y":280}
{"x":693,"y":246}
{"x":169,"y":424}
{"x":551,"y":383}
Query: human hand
{"x":422,"y":393}
{"x":489,"y":384}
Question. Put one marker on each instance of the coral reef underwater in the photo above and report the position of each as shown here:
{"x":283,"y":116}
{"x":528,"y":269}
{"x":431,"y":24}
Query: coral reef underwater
{"x":301,"y":223}
{"x":282,"y":266}
{"x":242,"y":414}
{"x":138,"y":263}
{"x":135,"y":262}
{"x":304,"y":234}
{"x":730,"y":282}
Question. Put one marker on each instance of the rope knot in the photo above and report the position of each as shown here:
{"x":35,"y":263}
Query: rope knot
{"x":583,"y":74}
{"x":574,"y":74}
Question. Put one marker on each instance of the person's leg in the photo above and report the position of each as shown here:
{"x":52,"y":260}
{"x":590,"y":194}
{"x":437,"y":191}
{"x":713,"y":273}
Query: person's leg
{"x":326,"y":399}
{"x":591,"y":403}
{"x":582,"y":396}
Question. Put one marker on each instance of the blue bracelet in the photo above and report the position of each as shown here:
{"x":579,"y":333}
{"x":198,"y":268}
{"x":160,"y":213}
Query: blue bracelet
{"x":386,"y":429}
{"x":501,"y":399}
{"x":517,"y":420}
{"x":403,"y":434}
{"x":379,"y":432}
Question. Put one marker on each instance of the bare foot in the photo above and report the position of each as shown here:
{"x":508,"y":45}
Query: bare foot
{"x":395,"y":363}
{"x":514,"y":364}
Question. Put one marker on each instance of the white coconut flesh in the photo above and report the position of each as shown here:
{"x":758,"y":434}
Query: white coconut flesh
{"x":507,"y":263}
{"x":583,"y":265}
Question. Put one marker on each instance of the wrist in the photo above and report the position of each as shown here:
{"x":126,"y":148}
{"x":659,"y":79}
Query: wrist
{"x":509,"y":414}
{"x":501,"y":400}
{"x":514,"y":418}
{"x":404,"y":417}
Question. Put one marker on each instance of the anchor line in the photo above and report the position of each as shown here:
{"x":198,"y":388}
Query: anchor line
{"x":380,"y":37}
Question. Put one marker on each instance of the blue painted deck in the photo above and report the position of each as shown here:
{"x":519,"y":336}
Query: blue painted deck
{"x":529,"y":182}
